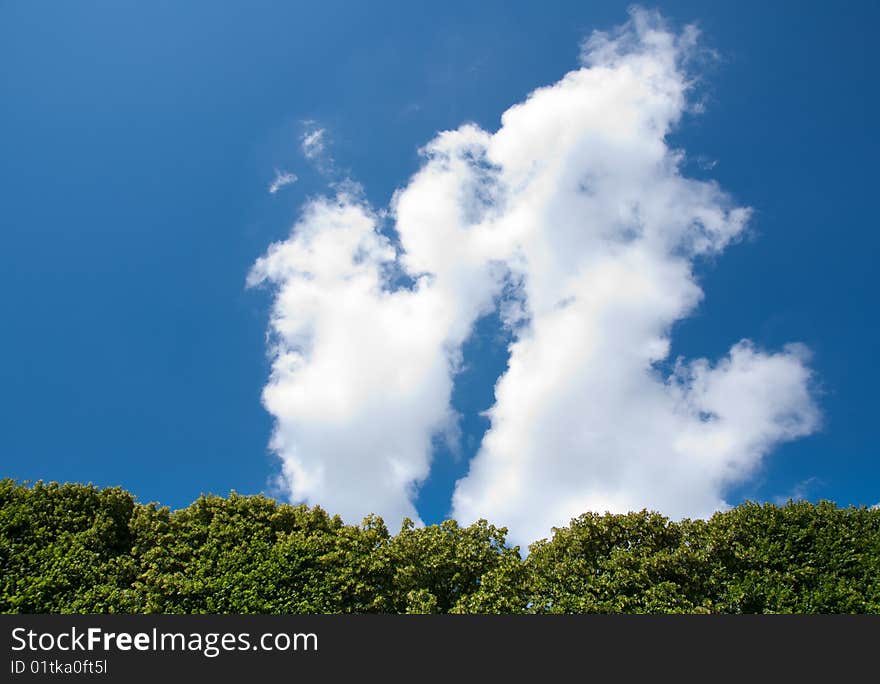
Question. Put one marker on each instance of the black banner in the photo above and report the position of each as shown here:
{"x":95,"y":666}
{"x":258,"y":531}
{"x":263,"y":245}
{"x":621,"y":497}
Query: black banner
{"x":174,"y":648}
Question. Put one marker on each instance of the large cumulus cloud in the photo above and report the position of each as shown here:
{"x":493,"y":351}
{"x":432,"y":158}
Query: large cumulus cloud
{"x":575,"y":220}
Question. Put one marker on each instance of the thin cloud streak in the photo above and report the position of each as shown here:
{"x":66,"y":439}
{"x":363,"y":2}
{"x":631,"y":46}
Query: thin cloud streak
{"x":281,"y":180}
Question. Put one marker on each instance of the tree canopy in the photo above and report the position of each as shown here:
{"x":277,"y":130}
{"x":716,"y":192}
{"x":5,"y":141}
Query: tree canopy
{"x":73,"y":548}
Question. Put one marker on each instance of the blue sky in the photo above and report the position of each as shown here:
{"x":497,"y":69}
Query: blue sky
{"x":138,"y":141}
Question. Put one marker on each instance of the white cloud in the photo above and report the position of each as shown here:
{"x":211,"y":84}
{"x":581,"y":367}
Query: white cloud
{"x":313,"y":144}
{"x":575,"y":220}
{"x":361,"y":375}
{"x":282,"y":178}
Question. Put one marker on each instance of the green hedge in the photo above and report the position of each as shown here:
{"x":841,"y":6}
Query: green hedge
{"x":75,"y":548}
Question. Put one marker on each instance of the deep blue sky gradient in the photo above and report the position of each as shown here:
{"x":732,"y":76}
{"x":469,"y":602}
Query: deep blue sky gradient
{"x":137,"y":141}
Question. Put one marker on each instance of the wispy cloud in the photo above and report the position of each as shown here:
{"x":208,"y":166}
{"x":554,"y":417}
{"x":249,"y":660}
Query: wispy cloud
{"x":799,"y":492}
{"x":313,"y":143}
{"x":575,"y":221}
{"x":282,"y":179}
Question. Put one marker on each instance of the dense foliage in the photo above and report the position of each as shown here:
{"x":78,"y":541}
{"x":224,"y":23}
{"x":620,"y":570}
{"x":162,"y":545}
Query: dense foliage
{"x":76,"y":548}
